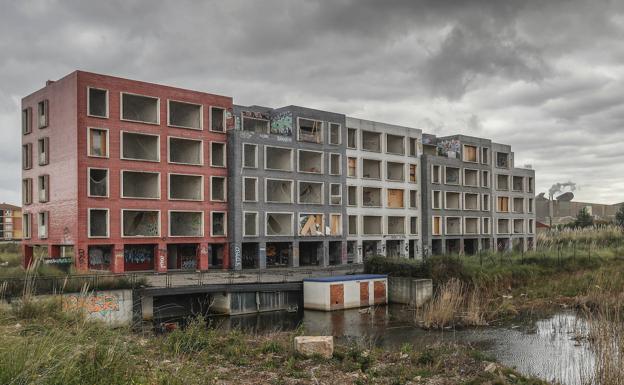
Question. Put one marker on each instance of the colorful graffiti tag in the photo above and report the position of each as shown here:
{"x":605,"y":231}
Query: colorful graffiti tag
{"x":449,"y":148}
{"x":102,"y":304}
{"x":282,"y":123}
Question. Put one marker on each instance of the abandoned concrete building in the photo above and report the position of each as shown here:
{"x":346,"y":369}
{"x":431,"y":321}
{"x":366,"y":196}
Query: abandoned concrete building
{"x":122,"y":175}
{"x":473,"y":198}
{"x":383,"y":190}
{"x":287,"y":186}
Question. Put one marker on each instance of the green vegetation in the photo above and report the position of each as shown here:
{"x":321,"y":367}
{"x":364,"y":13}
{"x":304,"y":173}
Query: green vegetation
{"x":619,"y":216}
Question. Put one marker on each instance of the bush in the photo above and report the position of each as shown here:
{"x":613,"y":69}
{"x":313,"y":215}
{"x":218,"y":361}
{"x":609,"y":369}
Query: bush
{"x":192,"y":339}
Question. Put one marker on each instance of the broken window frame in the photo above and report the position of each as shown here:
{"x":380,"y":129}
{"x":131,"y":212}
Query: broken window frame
{"x":332,"y":155}
{"x":89,"y":103}
{"x":224,"y":122}
{"x":244,"y":152}
{"x":123,"y":230}
{"x":27,"y":191}
{"x":266,"y":223}
{"x":27,"y":156}
{"x":508,"y":157}
{"x":244,"y":189}
{"x":121,"y":146}
{"x":257,"y":223}
{"x":266,"y":121}
{"x":46,"y":224}
{"x":332,"y":196}
{"x":201,"y":151}
{"x":121,"y":109}
{"x":26,"y":225}
{"x":43,"y":188}
{"x":89,"y":211}
{"x":266,"y":188}
{"x":299,"y":182}
{"x":402,"y":152}
{"x":381,"y":197}
{"x":169,"y":215}
{"x":212,"y":177}
{"x":439,"y":230}
{"x":89,"y":193}
{"x":302,"y":216}
{"x":319,"y":135}
{"x":43,"y":114}
{"x":212,"y":164}
{"x":355,"y":136}
{"x":121,"y":184}
{"x":446,"y":226}
{"x":465,"y":226}
{"x":27,"y":120}
{"x":106,"y":144}
{"x":486,"y":226}
{"x":266,"y":158}
{"x":201,"y":186}
{"x":299,"y":151}
{"x":201,"y":115}
{"x":225,"y":223}
{"x":329,"y":133}
{"x":43,"y":154}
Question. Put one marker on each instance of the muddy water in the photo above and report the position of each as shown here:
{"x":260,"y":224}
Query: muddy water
{"x":546,"y":348}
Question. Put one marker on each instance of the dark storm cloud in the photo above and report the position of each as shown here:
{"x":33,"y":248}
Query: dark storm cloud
{"x":543,"y":76}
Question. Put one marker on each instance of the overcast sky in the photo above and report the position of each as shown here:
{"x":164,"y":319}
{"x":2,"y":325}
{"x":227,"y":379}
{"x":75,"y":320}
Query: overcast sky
{"x":543,"y":76}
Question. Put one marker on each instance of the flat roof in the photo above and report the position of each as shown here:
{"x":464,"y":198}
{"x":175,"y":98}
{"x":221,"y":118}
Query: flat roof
{"x":337,"y":278}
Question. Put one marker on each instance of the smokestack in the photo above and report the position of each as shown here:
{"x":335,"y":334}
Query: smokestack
{"x":554,"y":189}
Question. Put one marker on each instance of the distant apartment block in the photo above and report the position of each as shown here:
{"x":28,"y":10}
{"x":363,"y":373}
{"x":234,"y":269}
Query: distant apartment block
{"x":10,"y":222}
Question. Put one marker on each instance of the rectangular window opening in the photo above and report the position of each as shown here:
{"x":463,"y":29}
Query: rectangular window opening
{"x":140,"y":185}
{"x":185,"y":151}
{"x":97,"y":103}
{"x":186,"y":187}
{"x":185,"y":115}
{"x":139,"y":108}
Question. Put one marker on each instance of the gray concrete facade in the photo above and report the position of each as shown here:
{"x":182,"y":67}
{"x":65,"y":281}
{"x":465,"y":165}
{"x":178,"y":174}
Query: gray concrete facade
{"x":297,"y":171}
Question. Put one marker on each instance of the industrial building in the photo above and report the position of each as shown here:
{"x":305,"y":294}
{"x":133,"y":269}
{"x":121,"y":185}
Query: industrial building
{"x":10,"y":222}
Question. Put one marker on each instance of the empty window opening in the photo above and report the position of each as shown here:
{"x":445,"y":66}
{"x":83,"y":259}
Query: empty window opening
{"x":250,"y":189}
{"x":310,"y":161}
{"x":250,"y":255}
{"x":186,"y":115}
{"x":98,"y":142}
{"x":136,"y":184}
{"x":502,"y":204}
{"x":371,"y":225}
{"x":186,"y":187}
{"x":395,"y":144}
{"x":518,"y":205}
{"x":140,"y":223}
{"x":139,"y":257}
{"x":485,"y":202}
{"x":413,"y":147}
{"x":351,"y":138}
{"x":485,"y":155}
{"x":395,"y":171}
{"x":98,"y":182}
{"x":98,"y":223}
{"x":486,"y":226}
{"x":518,"y":226}
{"x":217,"y":154}
{"x":98,"y":103}
{"x":334,"y":164}
{"x":452,"y":200}
{"x":371,"y":141}
{"x":394,"y":248}
{"x":26,"y":120}
{"x":451,"y":175}
{"x":186,"y":224}
{"x":250,"y":155}
{"x":471,"y":226}
{"x":279,"y":224}
{"x":43,"y":151}
{"x":182,"y":256}
{"x":436,"y":226}
{"x":471,"y":177}
{"x":250,"y":225}
{"x":311,"y":192}
{"x":42,"y":222}
{"x":370,"y":249}
{"x":530,"y":185}
{"x":43,"y":115}
{"x":26,"y":225}
{"x":310,"y":253}
{"x":278,"y":254}
{"x":413,"y":199}
{"x":436,"y":200}
{"x":485,"y":178}
{"x":335,"y":252}
{"x":334,"y":133}
{"x":335,"y":224}
{"x":530,"y":205}
{"x":27,"y":156}
{"x":436,"y":174}
{"x":279,"y":191}
{"x":518,"y":183}
{"x":371,"y":169}
{"x":352,"y":225}
{"x":371,"y":197}
{"x":453,"y":226}
{"x":311,"y":225}
{"x":352,"y":167}
{"x":277,"y":158}
{"x":140,"y":108}
{"x":255,"y":125}
{"x":531,"y":228}
{"x":100,"y":257}
{"x":27,"y":191}
{"x":335,"y":194}
{"x":502,"y":182}
{"x":217,"y":119}
{"x":44,"y":188}
{"x":502,"y":160}
{"x":217,"y":224}
{"x":396,"y":198}
{"x":414,"y":225}
{"x":471,"y":201}
{"x":470,"y":154}
{"x":185,"y":151}
{"x":216,"y":255}
{"x":217,"y":188}
{"x":503,"y":226}
{"x":140,"y":146}
{"x":352,"y":196}
{"x":310,"y":130}
{"x":413,"y":175}
{"x":396,"y":225}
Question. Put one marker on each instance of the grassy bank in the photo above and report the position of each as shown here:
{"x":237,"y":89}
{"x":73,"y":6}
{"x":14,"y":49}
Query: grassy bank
{"x":44,"y":346}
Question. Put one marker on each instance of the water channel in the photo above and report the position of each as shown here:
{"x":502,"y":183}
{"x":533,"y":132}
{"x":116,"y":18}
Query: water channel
{"x":544,"y":347}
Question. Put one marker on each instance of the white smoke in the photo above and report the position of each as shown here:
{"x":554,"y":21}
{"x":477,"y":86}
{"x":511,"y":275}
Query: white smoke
{"x":559,"y":187}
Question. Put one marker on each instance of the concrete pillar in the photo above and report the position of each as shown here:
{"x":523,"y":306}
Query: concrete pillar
{"x":294,"y":254}
{"x":262,"y":255}
{"x":161,"y":258}
{"x":226,"y":261}
{"x":323,"y":254}
{"x":202,"y":257}
{"x":27,"y":255}
{"x":117,"y":264}
{"x":344,"y":254}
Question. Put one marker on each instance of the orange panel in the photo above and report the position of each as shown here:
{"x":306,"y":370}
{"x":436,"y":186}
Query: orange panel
{"x":364,"y":294}
{"x":336,"y":296}
{"x":380,"y":292}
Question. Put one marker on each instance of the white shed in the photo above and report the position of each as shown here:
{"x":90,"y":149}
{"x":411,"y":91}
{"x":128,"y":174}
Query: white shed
{"x":345,"y":291}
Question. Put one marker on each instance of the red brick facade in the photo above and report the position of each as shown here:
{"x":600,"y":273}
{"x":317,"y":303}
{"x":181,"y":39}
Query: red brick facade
{"x":69,"y":162}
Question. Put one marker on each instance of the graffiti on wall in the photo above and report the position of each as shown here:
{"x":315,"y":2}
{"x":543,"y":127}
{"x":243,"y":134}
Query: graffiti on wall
{"x":449,"y":148}
{"x":139,"y":254}
{"x":282,"y":123}
{"x":102,"y":304}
